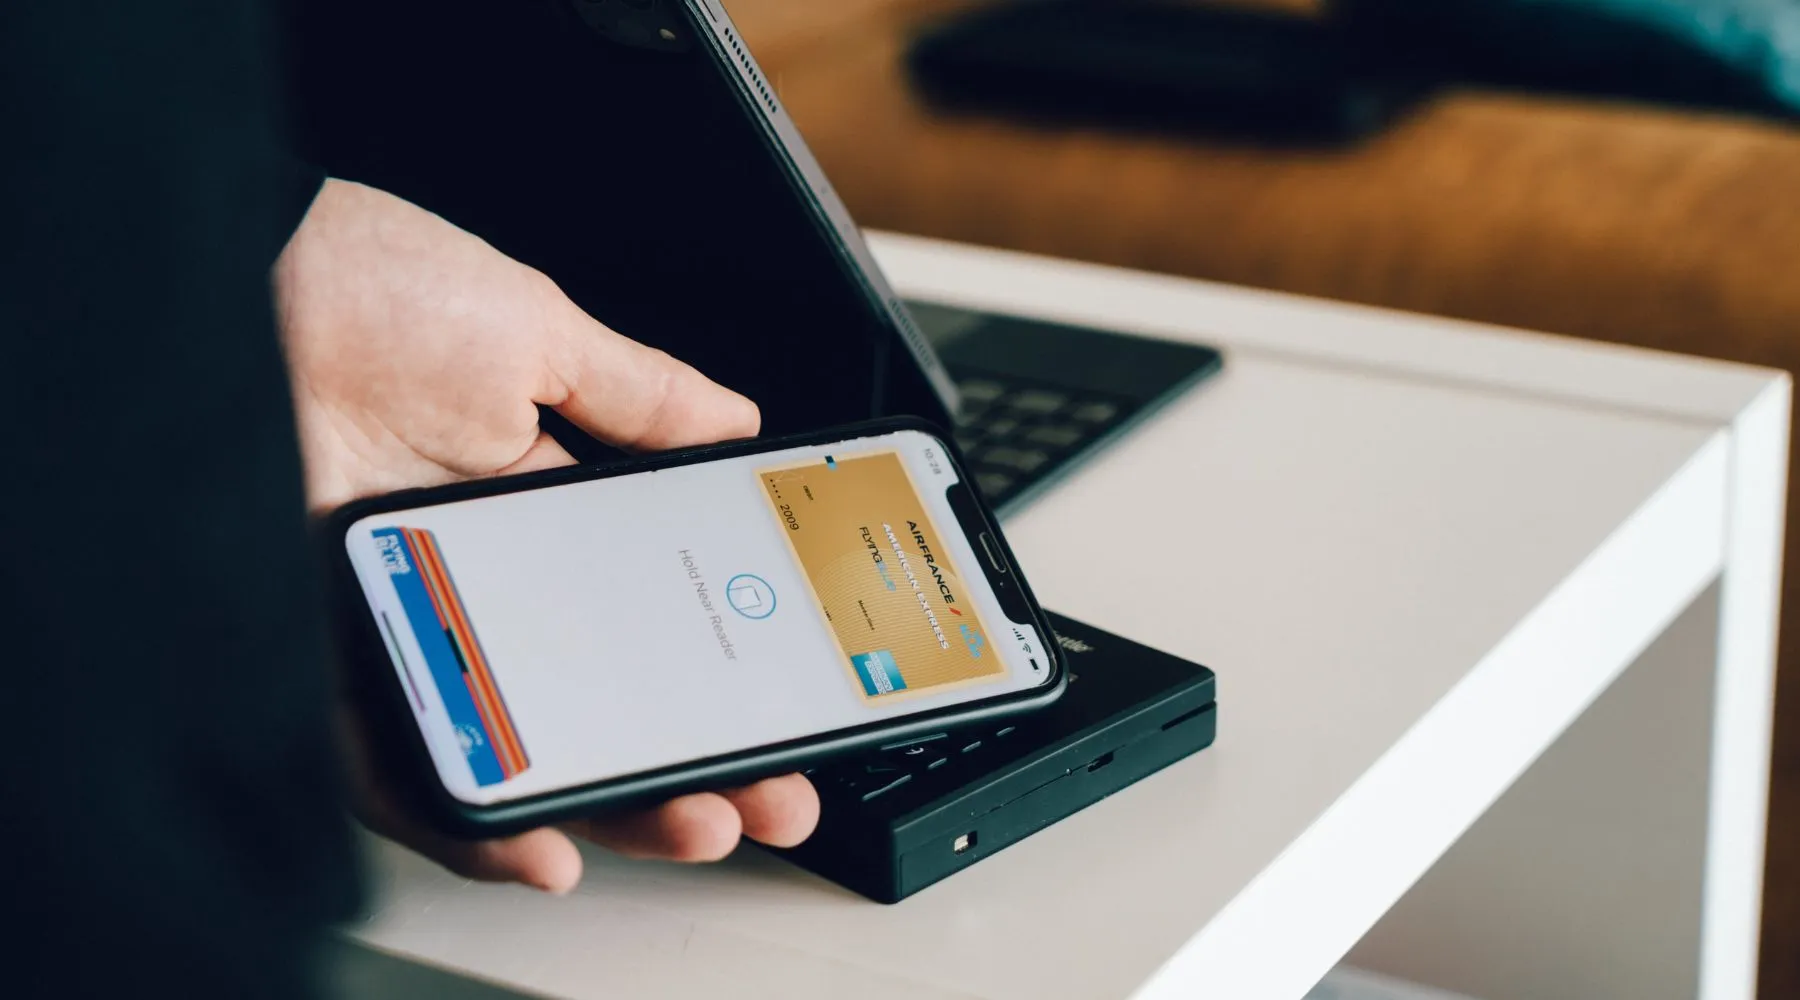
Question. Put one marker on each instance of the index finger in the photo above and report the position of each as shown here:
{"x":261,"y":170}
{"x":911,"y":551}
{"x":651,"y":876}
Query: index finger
{"x":630,"y":395}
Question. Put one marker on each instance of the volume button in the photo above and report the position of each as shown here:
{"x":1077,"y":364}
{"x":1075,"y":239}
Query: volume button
{"x":992,"y":548}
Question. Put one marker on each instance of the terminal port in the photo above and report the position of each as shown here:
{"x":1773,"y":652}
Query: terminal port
{"x":963,"y":843}
{"x":1101,"y":761}
{"x":1185,"y":716}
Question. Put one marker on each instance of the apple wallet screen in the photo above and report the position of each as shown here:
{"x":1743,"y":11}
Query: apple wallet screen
{"x":570,"y":634}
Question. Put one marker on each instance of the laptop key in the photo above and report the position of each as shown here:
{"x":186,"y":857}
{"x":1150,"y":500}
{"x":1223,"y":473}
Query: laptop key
{"x":1037,"y":401}
{"x":977,"y":390}
{"x":1095,"y":413}
{"x":1015,"y":458}
{"x":993,"y":483}
{"x":1055,"y":436}
{"x":999,"y":426}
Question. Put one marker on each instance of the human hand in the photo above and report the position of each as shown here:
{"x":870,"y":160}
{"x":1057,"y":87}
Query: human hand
{"x":418,"y":355}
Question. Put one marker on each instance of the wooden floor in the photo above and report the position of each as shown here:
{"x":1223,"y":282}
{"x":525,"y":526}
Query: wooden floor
{"x":1781,"y":891}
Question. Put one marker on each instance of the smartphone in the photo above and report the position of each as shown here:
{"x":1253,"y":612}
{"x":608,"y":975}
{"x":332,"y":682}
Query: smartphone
{"x":632,"y":151}
{"x":594,"y":638}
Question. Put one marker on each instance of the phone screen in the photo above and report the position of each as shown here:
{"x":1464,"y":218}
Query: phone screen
{"x":569,"y":634}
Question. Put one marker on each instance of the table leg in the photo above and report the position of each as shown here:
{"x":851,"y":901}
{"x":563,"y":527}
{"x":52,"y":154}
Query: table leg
{"x":1628,"y":861}
{"x":1585,"y":879}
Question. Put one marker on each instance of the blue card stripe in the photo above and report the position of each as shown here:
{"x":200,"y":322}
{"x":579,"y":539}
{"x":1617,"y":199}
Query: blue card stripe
{"x":446,"y":673}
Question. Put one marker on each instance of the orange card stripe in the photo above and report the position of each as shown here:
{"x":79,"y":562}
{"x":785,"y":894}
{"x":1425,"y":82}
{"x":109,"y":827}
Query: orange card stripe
{"x":476,"y":677}
{"x":420,"y":541}
{"x":483,"y":688}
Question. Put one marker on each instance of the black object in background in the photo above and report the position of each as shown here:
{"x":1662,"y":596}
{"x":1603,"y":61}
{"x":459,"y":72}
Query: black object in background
{"x":899,"y":820}
{"x":1039,"y":398}
{"x":1260,"y":75}
{"x":1733,"y":55}
{"x":1272,"y":76}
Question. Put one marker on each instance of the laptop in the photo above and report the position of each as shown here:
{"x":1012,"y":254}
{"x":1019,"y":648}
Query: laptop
{"x":1038,"y":399}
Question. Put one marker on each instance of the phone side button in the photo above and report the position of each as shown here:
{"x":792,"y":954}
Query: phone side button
{"x":890,"y":786}
{"x":993,"y":552}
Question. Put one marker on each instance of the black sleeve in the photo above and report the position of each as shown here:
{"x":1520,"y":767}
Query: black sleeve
{"x":171,"y":814}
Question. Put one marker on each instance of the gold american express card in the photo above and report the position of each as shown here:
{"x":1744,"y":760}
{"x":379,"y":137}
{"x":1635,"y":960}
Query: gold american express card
{"x":878,"y":569}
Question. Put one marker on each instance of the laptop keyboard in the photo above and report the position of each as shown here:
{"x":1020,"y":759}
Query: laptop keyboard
{"x":1014,"y":433}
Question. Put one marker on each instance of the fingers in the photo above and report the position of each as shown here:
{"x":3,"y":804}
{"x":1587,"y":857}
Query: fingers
{"x":780,"y":812}
{"x":703,"y":827}
{"x":544,"y":453}
{"x":544,"y":859}
{"x":706,"y":827}
{"x":630,"y":395}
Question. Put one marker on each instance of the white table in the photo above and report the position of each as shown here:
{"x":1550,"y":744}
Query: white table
{"x":1421,"y":556}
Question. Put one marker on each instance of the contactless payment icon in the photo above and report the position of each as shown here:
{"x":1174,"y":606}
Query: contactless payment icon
{"x":750,"y":596}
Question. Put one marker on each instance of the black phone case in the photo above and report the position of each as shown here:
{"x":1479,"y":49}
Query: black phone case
{"x":379,"y":692}
{"x":893,"y":823}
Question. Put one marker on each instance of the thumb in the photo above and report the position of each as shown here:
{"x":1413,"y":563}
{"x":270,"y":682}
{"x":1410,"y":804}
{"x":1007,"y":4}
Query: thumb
{"x":632,"y":396}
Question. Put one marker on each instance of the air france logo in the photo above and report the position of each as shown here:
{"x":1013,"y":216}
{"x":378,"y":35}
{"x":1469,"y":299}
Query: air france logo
{"x":931,"y":618}
{"x":937,"y":574}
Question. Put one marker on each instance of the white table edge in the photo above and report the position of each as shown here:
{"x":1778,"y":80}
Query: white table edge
{"x":1406,"y":811}
{"x":1247,"y":319}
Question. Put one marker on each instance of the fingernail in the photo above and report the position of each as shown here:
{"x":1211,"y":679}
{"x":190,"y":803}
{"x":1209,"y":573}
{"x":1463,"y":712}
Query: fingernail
{"x":552,"y":888}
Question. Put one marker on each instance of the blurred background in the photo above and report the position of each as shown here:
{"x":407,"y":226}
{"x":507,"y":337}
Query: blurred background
{"x":1622,"y":170}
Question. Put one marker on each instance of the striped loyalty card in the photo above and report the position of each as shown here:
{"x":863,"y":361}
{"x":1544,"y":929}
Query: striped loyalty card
{"x":458,"y":667}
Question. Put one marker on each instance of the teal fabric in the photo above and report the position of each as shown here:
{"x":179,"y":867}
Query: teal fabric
{"x":1739,"y":54}
{"x":1759,"y":37}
